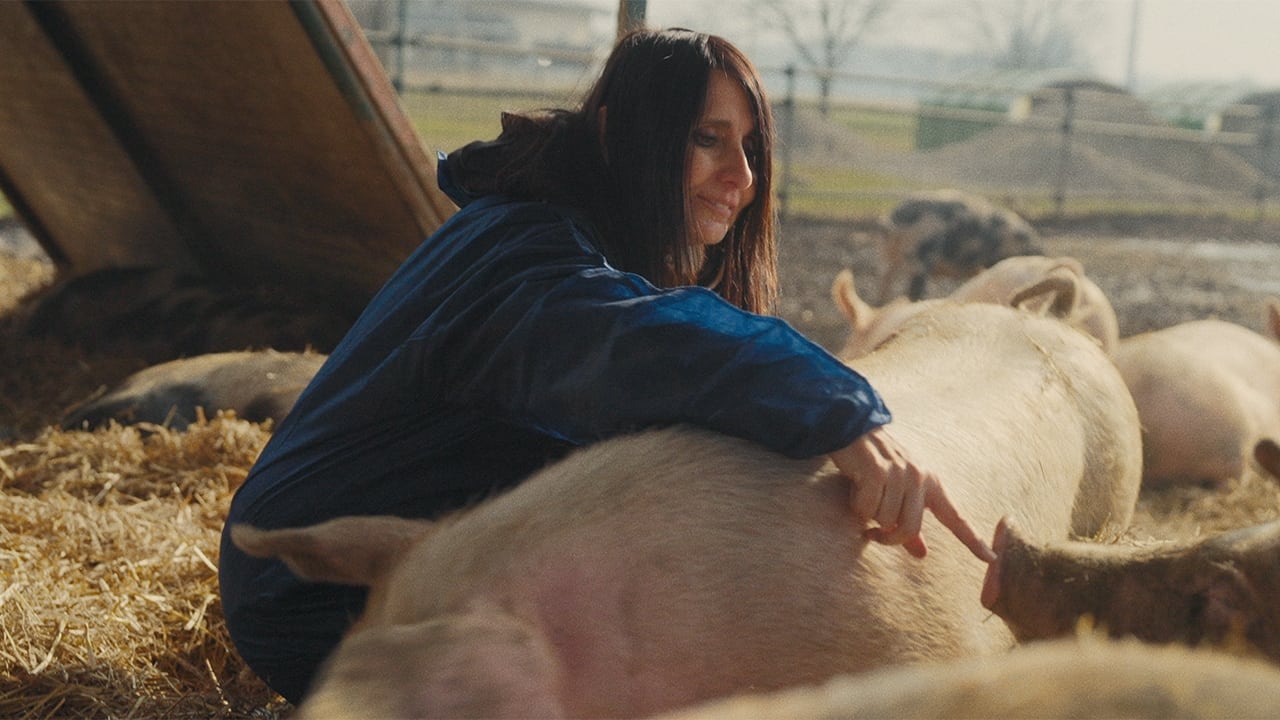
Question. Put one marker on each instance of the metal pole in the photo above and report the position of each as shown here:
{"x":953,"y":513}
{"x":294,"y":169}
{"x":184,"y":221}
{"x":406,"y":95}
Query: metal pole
{"x":788,"y":136}
{"x":1064,"y":159}
{"x":402,"y":38}
{"x":1268,"y":161}
{"x":1130,"y":76}
{"x":630,"y":16}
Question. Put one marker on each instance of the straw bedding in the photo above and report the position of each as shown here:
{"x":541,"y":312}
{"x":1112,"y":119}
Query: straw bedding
{"x":109,"y":540}
{"x":109,"y":545}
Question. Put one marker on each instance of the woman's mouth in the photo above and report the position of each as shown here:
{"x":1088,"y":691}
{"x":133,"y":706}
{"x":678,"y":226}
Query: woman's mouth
{"x":722,"y":210}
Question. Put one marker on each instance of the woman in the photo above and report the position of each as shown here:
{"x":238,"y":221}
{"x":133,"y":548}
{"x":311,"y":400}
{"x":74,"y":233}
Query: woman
{"x":608,"y":270}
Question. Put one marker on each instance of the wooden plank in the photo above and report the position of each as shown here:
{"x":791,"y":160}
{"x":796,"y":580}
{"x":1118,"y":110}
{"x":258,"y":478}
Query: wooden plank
{"x":342,"y":44}
{"x":266,"y":131}
{"x":63,"y":170}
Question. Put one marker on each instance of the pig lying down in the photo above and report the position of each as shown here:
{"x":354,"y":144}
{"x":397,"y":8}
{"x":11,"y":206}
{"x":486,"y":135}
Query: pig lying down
{"x":1208,"y":393}
{"x":1216,"y":591}
{"x":257,"y":386}
{"x":673,"y":566}
{"x":1085,"y":679}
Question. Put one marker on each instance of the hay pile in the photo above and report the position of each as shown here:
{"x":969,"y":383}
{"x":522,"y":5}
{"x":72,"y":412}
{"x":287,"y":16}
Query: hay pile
{"x":110,"y":605}
{"x":109,"y":544}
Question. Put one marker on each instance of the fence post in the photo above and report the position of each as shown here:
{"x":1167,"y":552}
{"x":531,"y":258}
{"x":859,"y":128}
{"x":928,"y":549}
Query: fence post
{"x":788,"y":136}
{"x":1268,"y":160}
{"x":630,"y":16}
{"x":1064,"y":159}
{"x":402,"y":36}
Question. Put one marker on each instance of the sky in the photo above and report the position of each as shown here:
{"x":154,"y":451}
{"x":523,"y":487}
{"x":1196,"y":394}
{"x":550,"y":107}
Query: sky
{"x":1217,"y":39}
{"x":1177,"y":40}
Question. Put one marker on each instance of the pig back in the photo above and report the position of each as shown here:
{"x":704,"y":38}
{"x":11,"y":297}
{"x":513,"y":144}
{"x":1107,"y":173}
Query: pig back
{"x":1085,"y":678}
{"x":1204,"y":347}
{"x":1223,"y":375}
{"x":1018,"y":414}
{"x":692,"y":565}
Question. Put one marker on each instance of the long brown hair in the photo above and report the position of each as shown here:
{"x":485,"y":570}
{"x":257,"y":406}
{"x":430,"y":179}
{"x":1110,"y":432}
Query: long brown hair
{"x":630,"y":179}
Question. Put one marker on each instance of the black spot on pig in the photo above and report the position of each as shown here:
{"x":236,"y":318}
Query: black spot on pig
{"x":948,"y":234}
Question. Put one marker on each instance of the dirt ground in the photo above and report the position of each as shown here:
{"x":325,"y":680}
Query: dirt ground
{"x":1156,"y":271}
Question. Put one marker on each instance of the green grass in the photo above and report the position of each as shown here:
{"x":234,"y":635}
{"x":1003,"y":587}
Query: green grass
{"x":447,"y":121}
{"x":891,"y":130}
{"x":839,"y":192}
{"x":1044,"y":208}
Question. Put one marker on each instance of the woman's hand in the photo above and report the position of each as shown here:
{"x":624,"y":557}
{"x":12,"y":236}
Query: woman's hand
{"x":891,"y":491}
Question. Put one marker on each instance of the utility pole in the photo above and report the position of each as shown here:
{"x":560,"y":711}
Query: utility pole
{"x":1130,"y":75}
{"x":402,"y":38}
{"x":630,"y":15}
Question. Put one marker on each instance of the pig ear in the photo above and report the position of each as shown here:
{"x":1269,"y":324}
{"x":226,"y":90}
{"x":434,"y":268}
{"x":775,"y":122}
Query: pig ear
{"x":1232,"y":586}
{"x":846,"y":297}
{"x":1057,"y":294}
{"x":347,"y":551}
{"x":1267,"y":453}
{"x":1225,"y":607}
{"x":1273,"y":317}
{"x":1066,"y":263}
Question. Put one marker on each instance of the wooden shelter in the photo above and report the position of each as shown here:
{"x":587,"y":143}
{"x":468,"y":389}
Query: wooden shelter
{"x":252,"y":141}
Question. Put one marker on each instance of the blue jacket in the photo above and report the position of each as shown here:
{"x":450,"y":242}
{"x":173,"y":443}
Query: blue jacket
{"x":502,"y":342}
{"x":507,"y":338}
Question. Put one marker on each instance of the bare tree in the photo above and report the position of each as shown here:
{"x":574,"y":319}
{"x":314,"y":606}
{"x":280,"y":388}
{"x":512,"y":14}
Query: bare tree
{"x":1031,"y":34}
{"x":823,"y":32}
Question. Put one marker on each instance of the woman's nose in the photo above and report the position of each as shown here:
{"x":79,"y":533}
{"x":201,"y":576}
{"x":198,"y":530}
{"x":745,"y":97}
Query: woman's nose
{"x":737,"y":168}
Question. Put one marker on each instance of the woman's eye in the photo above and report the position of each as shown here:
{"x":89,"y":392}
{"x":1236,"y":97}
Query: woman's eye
{"x":703,"y":138}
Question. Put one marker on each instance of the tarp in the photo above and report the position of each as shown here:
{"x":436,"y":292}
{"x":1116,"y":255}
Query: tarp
{"x":253,"y":141}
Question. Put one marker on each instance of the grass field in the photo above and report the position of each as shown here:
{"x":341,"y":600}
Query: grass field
{"x":448,"y":120}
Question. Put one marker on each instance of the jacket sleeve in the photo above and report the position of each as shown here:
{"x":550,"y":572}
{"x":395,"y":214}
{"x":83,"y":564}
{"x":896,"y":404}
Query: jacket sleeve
{"x":582,"y":351}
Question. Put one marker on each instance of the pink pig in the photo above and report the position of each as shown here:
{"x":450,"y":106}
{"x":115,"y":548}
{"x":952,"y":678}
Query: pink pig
{"x":673,"y":566}
{"x":1208,"y":394}
{"x":1042,"y":285}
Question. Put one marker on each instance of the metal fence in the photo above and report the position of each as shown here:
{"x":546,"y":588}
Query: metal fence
{"x":1053,"y":149}
{"x":1072,"y":145}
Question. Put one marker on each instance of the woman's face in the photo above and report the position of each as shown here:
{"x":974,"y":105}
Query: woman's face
{"x":719,"y":176}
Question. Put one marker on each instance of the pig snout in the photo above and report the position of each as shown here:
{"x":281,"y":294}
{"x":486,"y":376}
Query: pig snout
{"x":1218,"y":591}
